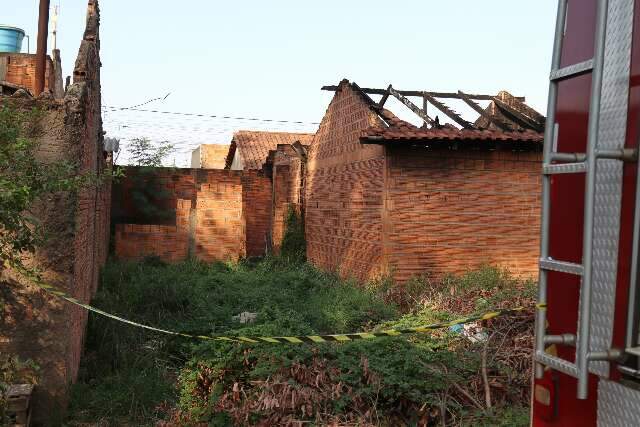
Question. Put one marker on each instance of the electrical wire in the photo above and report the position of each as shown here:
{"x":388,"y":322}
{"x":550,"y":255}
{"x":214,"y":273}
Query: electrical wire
{"x":212,"y":116}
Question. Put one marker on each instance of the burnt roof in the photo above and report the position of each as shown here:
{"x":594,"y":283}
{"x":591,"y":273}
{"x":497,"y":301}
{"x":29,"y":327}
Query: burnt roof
{"x":506,"y":119}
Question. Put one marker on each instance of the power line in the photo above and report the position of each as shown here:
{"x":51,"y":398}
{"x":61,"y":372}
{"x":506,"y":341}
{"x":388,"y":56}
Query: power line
{"x":212,"y":116}
{"x":160,"y":98}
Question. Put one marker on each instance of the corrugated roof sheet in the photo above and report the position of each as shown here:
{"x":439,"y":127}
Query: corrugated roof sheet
{"x":254,"y":146}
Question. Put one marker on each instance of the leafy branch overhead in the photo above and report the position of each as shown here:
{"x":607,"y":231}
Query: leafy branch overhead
{"x":146,"y":153}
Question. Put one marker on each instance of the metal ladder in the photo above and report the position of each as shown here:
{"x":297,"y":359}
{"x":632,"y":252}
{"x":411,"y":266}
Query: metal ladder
{"x":565,"y":163}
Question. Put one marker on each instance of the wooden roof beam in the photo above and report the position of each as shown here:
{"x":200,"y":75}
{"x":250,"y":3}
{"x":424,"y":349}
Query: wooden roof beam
{"x":410,"y":105}
{"x":516,"y":116}
{"x":483,"y":113}
{"x":450,"y":113}
{"x":418,"y":93}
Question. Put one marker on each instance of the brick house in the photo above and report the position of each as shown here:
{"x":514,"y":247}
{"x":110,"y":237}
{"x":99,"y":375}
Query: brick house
{"x":18,"y":70}
{"x":385,"y":197}
{"x":249,"y":150}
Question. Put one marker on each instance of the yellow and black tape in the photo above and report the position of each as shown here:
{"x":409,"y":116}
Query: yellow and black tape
{"x":275,"y":340}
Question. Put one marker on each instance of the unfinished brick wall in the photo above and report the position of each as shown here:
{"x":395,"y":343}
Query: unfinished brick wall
{"x":169,"y":242}
{"x":281,"y":201}
{"x":20,"y":69}
{"x":256,"y":209}
{"x":213,"y":156}
{"x":220,"y":232}
{"x":288,"y":180}
{"x":344,"y":191}
{"x":211,"y":214}
{"x":36,"y":325}
{"x":452,"y":210}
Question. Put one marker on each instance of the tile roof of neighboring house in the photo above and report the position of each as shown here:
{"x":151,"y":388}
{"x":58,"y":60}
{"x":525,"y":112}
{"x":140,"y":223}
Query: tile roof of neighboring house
{"x":254,"y":146}
{"x":398,"y":130}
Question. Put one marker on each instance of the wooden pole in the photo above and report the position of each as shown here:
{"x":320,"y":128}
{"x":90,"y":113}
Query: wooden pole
{"x":41,"y":50}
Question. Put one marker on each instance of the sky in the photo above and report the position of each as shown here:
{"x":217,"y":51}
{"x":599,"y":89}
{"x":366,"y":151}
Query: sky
{"x":269,"y":59}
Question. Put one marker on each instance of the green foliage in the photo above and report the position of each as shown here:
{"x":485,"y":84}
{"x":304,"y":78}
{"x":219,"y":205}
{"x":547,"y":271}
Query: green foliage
{"x":150,"y":196}
{"x":146,"y":153}
{"x":200,"y":298}
{"x":24,"y":180}
{"x":137,"y":377}
{"x":294,"y":246}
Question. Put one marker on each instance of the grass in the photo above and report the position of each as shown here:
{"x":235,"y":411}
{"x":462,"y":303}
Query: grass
{"x":198,"y":298}
{"x":130,"y":376}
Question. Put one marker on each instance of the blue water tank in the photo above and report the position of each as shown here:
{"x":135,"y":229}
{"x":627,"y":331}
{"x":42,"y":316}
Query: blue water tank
{"x":11,"y":39}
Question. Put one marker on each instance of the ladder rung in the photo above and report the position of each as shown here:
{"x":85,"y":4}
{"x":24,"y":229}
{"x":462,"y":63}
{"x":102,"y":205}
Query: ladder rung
{"x":557,"y":363}
{"x":561,"y":266}
{"x":564,"y":168}
{"x":568,"y":157}
{"x":571,"y":70}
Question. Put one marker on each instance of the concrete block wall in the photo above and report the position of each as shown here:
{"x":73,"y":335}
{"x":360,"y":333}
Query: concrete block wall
{"x":344,"y":191}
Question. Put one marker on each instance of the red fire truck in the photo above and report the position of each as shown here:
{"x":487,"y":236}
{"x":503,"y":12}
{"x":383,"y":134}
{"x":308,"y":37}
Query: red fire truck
{"x":587,"y":355}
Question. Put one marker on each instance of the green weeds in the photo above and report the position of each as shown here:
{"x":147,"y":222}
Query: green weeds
{"x":135,"y":377}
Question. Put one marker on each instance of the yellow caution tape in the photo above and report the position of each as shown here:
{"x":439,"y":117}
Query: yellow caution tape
{"x":281,"y":340}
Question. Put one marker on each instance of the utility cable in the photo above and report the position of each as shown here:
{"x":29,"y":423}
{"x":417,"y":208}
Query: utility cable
{"x":212,"y":116}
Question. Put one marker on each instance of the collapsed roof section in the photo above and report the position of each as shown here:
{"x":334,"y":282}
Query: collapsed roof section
{"x":254,"y":146}
{"x":506,"y":119}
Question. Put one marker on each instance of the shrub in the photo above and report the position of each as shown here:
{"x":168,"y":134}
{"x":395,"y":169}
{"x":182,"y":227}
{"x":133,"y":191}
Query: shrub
{"x":133,"y":376}
{"x":294,"y":246}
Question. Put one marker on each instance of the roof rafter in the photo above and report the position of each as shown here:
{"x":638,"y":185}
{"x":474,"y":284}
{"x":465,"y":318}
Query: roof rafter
{"x":418,"y":93}
{"x":478,"y":109}
{"x":413,"y":107}
{"x":516,"y":116}
{"x":449,"y":112}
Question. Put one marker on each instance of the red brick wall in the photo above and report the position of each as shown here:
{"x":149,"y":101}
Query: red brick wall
{"x":169,"y":242}
{"x":256,"y":209}
{"x":21,"y":70}
{"x":220,"y":215}
{"x":220,"y":231}
{"x":281,"y":202}
{"x":213,"y":156}
{"x":343,"y":191}
{"x":449,"y":211}
{"x":34,"y":324}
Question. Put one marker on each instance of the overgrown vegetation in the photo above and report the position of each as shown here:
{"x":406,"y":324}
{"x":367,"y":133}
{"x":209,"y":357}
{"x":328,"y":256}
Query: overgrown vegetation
{"x":24,"y":180}
{"x":13,"y":370}
{"x":148,"y":194}
{"x":133,"y":376}
{"x":293,"y":247}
